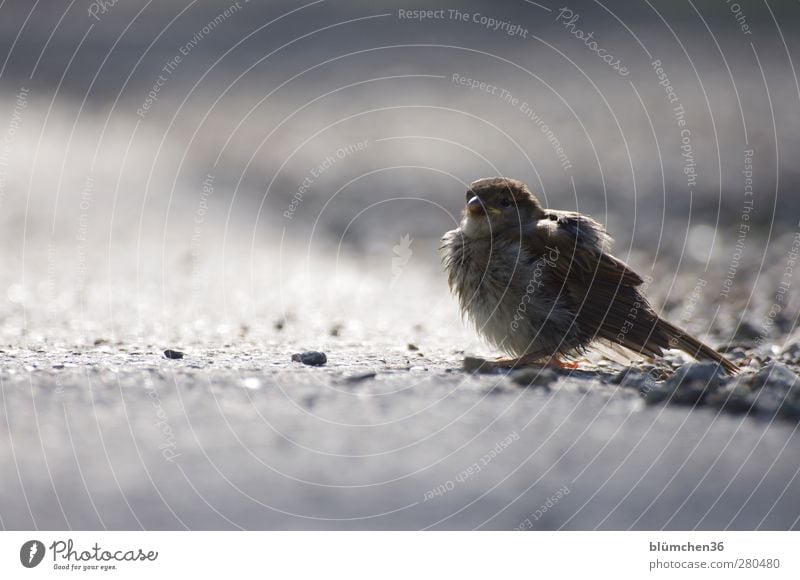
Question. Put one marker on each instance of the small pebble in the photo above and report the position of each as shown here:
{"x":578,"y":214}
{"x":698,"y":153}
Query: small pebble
{"x":312,"y":358}
{"x":473,"y":364}
{"x":173,"y":354}
{"x":412,"y":346}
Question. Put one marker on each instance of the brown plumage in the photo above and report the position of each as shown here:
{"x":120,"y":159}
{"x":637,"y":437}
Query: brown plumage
{"x":539,"y":283}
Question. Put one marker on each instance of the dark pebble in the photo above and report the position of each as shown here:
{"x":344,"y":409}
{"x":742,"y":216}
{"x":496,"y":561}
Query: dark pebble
{"x":412,"y":346}
{"x":312,"y":358}
{"x":173,"y":354}
{"x":473,"y":364}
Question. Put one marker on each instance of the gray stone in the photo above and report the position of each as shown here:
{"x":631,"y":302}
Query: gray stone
{"x":689,"y":385}
{"x":312,"y":358}
{"x":777,"y":391}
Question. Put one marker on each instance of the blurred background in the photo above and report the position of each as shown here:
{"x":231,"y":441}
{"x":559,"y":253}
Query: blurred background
{"x":220,"y":152}
{"x":243,"y":180}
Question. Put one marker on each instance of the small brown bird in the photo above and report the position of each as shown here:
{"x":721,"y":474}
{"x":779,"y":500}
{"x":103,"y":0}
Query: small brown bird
{"x":540,"y":283}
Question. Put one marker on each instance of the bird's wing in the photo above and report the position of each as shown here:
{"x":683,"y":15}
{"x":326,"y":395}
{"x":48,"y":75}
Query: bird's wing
{"x":585,"y":245}
{"x":601,"y":288}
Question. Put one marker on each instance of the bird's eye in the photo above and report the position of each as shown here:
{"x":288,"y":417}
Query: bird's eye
{"x":504,"y":202}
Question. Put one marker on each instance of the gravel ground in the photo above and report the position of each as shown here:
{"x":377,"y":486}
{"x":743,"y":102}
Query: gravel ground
{"x":384,"y":436}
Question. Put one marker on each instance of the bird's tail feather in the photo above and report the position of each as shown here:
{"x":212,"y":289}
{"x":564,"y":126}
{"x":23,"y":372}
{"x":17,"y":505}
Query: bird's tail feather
{"x":693,"y":347}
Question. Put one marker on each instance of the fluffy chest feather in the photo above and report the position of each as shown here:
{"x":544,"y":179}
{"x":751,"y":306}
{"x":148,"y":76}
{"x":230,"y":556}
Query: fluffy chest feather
{"x":508,"y":294}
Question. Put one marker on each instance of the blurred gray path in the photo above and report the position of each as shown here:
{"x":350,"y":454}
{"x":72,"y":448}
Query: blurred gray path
{"x":242,"y":438}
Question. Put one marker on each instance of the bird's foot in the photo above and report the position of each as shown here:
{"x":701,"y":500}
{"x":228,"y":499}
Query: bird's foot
{"x":528,"y":361}
{"x":517,"y":363}
{"x":472,"y":364}
{"x":503,"y":362}
{"x":557,"y":362}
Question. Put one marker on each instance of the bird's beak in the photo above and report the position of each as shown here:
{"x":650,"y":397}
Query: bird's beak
{"x":476,"y":207}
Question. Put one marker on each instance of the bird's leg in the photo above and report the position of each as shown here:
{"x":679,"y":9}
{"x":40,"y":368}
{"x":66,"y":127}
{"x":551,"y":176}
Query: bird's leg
{"x":534,"y":359}
{"x":557,"y":362}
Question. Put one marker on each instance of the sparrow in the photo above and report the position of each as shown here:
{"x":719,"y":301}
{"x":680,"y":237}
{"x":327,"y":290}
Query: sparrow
{"x":541,"y":284}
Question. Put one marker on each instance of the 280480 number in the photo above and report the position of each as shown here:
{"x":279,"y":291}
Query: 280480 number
{"x":758,"y":563}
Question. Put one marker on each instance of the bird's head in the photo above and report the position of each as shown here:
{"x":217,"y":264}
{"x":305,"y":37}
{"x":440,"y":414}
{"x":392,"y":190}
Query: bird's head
{"x":495,"y":204}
